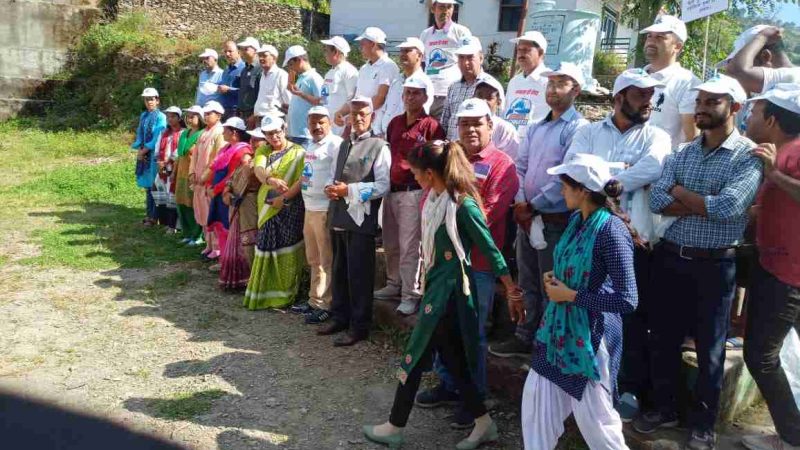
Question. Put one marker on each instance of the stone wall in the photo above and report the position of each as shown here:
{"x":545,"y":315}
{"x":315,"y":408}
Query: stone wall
{"x":234,"y":18}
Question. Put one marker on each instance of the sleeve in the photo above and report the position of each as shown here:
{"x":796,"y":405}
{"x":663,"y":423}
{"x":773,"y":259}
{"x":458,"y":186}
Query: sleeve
{"x":499,"y":194}
{"x":581,"y":142}
{"x":521,"y":163}
{"x":437,"y":132}
{"x":378,"y":188}
{"x":780,"y":75}
{"x":197,"y":94}
{"x":648,"y":168}
{"x":158,"y":129}
{"x":687,"y":97}
{"x":387,"y":74}
{"x":429,"y":91}
{"x":660,"y":197}
{"x":139,"y":141}
{"x":738,"y":193}
{"x":446,"y":112}
{"x":283,"y":88}
{"x":315,"y":85}
{"x":614,"y":249}
{"x":472,"y":223}
{"x":350,"y":83}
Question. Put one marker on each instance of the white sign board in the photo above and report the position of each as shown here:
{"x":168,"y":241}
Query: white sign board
{"x":697,"y":9}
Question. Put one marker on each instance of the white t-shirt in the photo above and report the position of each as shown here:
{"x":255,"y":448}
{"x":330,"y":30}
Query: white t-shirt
{"x":441,"y":62}
{"x":338,"y":88}
{"x":371,"y":77}
{"x":525,"y":99}
{"x":273,"y":91}
{"x":505,"y":137}
{"x":780,"y":75}
{"x":674,"y":99}
{"x":394,"y":99}
{"x":320,"y":156}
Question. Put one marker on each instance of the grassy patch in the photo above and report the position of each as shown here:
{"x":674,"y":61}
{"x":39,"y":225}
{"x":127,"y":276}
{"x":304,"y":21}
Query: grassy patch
{"x":185,"y":405}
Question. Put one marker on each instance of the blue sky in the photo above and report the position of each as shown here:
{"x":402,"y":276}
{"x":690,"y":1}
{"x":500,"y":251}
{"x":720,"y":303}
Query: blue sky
{"x":789,"y":12}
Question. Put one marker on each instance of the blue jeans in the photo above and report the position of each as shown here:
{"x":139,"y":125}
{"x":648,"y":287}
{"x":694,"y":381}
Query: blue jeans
{"x":484,"y":294}
{"x":150,"y":205}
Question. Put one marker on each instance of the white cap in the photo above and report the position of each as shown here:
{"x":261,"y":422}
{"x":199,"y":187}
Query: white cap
{"x":785,"y":95}
{"x":413,"y":42}
{"x":668,"y":24}
{"x":256,"y":133}
{"x":373,"y":34}
{"x":469,"y":45}
{"x":415,"y":81}
{"x":723,"y":84}
{"x":150,"y":92}
{"x":197,"y":109}
{"x":743,"y":39}
{"x":293,"y":52}
{"x":362,"y":99}
{"x":635,"y":77}
{"x":569,"y":69}
{"x":319,"y":110}
{"x":271,"y":122}
{"x":267,"y":48}
{"x":532,"y":36}
{"x":209,"y":52}
{"x":445,"y":2}
{"x":213,"y":106}
{"x":249,"y":42}
{"x":492,"y":81}
{"x":589,"y":170}
{"x":235,"y":122}
{"x":473,"y":107}
{"x":339,"y":43}
{"x":173,"y":110}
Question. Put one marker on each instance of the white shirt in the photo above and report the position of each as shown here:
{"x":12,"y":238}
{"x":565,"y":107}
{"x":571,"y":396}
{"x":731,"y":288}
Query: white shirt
{"x":525,"y":99}
{"x":272,"y":91}
{"x":674,"y":99}
{"x":505,"y":137}
{"x":319,"y":158}
{"x":394,"y":99}
{"x":338,"y":88}
{"x":780,"y":75}
{"x":371,"y":76}
{"x":441,"y":62}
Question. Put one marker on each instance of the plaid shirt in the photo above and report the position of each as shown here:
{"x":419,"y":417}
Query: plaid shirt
{"x":727,"y":177}
{"x":456,"y":95}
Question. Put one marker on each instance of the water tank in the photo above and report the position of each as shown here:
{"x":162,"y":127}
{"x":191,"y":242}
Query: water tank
{"x":571,"y":37}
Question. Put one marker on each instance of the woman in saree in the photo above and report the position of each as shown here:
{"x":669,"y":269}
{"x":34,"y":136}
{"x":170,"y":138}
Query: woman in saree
{"x":579,"y":341}
{"x":452,"y":224}
{"x":208,"y":144}
{"x":222,"y":168}
{"x":191,"y":231}
{"x":151,"y":123}
{"x":164,"y":183}
{"x":280,"y":251}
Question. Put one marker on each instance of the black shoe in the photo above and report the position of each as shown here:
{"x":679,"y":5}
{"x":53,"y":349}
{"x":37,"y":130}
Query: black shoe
{"x":317,"y":316}
{"x":511,"y":347}
{"x":332,"y":328}
{"x":348,"y":339}
{"x":438,"y":396}
{"x":702,"y":440}
{"x":462,"y":420}
{"x":300,"y":308}
{"x":651,"y":421}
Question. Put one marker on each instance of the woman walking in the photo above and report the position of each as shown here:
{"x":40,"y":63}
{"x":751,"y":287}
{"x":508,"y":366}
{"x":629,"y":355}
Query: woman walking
{"x":279,"y":256}
{"x":192,"y":232}
{"x":164,"y":183}
{"x":208,"y":144}
{"x":452,"y":224}
{"x":151,"y":123}
{"x":579,"y":342}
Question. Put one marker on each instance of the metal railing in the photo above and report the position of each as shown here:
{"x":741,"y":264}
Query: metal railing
{"x":617,"y":46}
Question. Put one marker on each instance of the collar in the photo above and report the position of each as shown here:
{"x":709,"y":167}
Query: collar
{"x":308,"y":72}
{"x":481,"y":76}
{"x":664,"y":73}
{"x":729,"y":143}
{"x":484,"y":153}
{"x":445,"y":28}
{"x":271,"y":70}
{"x":610,"y":123}
{"x":381,"y":59}
{"x":324,"y":140}
{"x":537,"y":72}
{"x":360,"y":137}
{"x":215,"y":69}
{"x":568,"y":116}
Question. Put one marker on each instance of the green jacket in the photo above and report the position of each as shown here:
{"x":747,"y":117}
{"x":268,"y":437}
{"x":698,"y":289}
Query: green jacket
{"x":443,"y":284}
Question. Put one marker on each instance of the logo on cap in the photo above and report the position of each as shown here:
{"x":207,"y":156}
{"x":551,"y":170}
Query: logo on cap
{"x":469,"y":106}
{"x":268,"y":120}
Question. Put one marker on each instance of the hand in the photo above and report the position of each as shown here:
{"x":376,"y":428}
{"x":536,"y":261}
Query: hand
{"x":192,"y":180}
{"x":162,"y":164}
{"x":523,"y":215}
{"x":556,"y":290}
{"x":210,"y":192}
{"x":294,"y":89}
{"x":141,"y":154}
{"x":767,"y":153}
{"x":516,"y":307}
{"x":338,"y":119}
{"x":277,"y":202}
{"x":279,"y":185}
{"x":677,"y":191}
{"x":223,"y":89}
{"x":773,"y":34}
{"x":336,"y":190}
{"x":226,"y":198}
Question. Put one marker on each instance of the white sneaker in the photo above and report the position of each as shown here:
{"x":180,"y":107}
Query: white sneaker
{"x":408,"y":307}
{"x":767,"y":442}
{"x":387,"y":292}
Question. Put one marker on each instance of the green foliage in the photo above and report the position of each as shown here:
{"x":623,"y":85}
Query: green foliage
{"x":185,"y":405}
{"x":316,"y":51}
{"x":606,"y":66}
{"x":723,"y":30}
{"x":320,"y":6}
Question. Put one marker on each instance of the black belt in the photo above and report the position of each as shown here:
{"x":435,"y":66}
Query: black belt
{"x":404,"y":187}
{"x":698,"y":253}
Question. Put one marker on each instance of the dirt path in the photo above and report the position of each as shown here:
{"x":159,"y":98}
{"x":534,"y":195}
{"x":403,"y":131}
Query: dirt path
{"x":164,"y":352}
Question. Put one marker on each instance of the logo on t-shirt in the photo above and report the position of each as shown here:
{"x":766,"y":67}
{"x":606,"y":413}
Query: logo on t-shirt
{"x":305,"y":177}
{"x":437,"y":59}
{"x":481,"y":171}
{"x":519,"y":111}
{"x":659,"y":102}
{"x":324,"y":93}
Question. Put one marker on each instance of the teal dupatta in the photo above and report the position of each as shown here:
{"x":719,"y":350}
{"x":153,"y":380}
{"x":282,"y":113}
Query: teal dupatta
{"x":565,"y":326}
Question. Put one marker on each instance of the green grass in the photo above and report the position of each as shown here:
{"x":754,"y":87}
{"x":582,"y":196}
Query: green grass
{"x":185,"y":405}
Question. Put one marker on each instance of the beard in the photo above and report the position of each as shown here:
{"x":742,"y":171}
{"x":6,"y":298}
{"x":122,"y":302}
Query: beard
{"x":711,"y":122}
{"x":634,"y":115}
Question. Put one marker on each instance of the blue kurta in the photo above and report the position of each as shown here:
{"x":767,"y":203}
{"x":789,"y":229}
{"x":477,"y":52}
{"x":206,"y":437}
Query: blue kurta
{"x":148,"y":133}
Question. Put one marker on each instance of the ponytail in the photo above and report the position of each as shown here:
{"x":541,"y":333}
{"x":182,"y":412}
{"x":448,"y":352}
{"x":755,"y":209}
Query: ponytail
{"x":448,"y":160}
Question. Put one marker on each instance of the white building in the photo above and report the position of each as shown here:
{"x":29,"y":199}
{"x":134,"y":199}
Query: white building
{"x":490,"y":20}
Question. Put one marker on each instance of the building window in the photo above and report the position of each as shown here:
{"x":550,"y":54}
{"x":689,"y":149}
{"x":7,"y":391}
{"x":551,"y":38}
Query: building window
{"x":510,"y":15}
{"x":610,"y":20}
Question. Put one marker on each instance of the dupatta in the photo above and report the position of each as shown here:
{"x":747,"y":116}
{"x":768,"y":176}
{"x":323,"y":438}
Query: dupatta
{"x":288,"y":166}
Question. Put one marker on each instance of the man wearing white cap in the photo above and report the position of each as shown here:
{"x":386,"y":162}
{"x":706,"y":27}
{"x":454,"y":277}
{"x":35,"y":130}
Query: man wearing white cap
{"x":360,"y":179}
{"x":470,"y":63}
{"x":228,"y":84}
{"x":273,"y":86}
{"x":248,"y":82}
{"x":401,"y":212}
{"x":525,"y":98}
{"x":340,"y":81}
{"x":305,"y":93}
{"x":673,"y":105}
{"x":706,"y":188}
{"x":759,"y":60}
{"x":319,"y":157}
{"x":504,"y":134}
{"x":773,"y":308}
{"x":375,"y":76}
{"x":152,"y":123}
{"x":411,"y":55}
{"x":539,"y":195}
{"x":209,"y":79}
{"x":441,"y":40}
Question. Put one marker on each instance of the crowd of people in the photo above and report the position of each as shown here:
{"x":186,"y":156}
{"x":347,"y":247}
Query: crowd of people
{"x":624,"y":231}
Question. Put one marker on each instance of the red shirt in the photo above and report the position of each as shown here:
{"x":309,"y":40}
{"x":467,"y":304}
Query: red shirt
{"x":497,"y":183}
{"x":777,"y":228}
{"x":402,"y":139}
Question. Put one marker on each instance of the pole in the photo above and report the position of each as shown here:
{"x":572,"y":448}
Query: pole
{"x":520,"y":30}
{"x":705,"y":46}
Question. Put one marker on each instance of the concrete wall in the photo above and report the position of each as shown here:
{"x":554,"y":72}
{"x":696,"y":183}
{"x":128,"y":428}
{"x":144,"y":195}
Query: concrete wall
{"x":35,"y":36}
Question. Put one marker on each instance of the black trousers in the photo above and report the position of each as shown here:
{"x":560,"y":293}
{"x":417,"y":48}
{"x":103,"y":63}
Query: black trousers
{"x":353,"y":280}
{"x":634,"y":374}
{"x":447,"y":341}
{"x":773,"y":308}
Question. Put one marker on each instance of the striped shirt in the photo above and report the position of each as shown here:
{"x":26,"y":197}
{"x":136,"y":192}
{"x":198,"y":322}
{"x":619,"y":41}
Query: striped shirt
{"x":458,"y":92}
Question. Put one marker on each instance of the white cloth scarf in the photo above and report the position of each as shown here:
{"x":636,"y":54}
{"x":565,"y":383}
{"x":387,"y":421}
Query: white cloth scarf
{"x":441,"y":208}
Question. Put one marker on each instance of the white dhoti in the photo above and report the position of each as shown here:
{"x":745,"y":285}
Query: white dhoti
{"x":545,"y":407}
